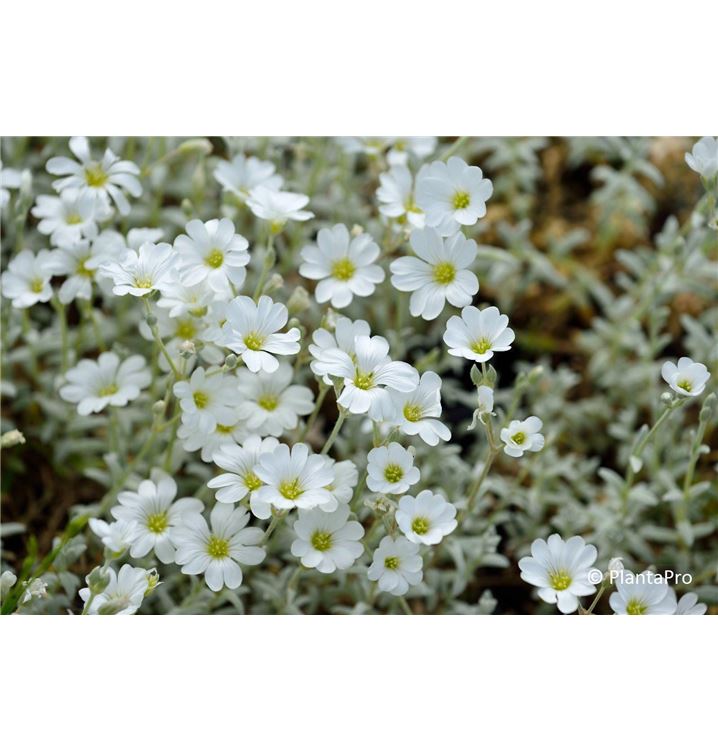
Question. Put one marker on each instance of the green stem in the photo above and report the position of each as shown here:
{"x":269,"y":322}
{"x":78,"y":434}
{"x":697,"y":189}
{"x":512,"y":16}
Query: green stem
{"x":333,"y":435}
{"x":405,"y":606}
{"x":159,"y":342}
{"x":323,"y":390}
{"x":64,"y":342}
{"x":267,"y":266}
{"x":453,"y":148}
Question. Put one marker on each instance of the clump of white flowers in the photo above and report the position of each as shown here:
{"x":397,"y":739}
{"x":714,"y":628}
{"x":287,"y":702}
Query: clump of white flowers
{"x":172,"y":346}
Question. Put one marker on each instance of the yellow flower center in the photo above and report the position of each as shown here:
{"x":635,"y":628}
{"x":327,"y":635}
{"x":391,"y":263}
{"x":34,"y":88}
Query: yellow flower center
{"x":225,"y":429}
{"x":276,"y":226}
{"x":461,"y":200}
{"x":73,"y":219}
{"x":321,"y":541}
{"x":392,"y":563}
{"x":364,"y":380}
{"x":186,"y":329}
{"x":108,"y":390}
{"x":36,"y":285}
{"x":393,"y":473}
{"x":201,"y":399}
{"x":444,"y":272}
{"x":215,"y":258}
{"x":253,"y":341}
{"x":290,"y":488}
{"x":268,"y":402}
{"x":95,"y":175}
{"x":412,"y":413}
{"x":251,"y":481}
{"x":157,"y":522}
{"x":420,"y":525}
{"x":143,"y":283}
{"x":685,"y":384}
{"x":560,"y":580}
{"x":636,"y":607}
{"x":519,"y":438}
{"x":343,"y":269}
{"x":217,"y":548}
{"x":481,"y":346}
{"x":83,"y":270}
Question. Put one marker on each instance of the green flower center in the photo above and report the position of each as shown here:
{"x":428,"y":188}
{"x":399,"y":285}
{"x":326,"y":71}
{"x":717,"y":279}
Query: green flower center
{"x":392,"y":563}
{"x":268,"y":402}
{"x":217,"y":548}
{"x":343,"y":269}
{"x":420,"y":525}
{"x":108,"y":390}
{"x":253,"y":341}
{"x":201,"y":399}
{"x":410,"y":206}
{"x":95,"y":175}
{"x":481,"y":346}
{"x":73,"y":219}
{"x":251,"y":481}
{"x":215,"y":258}
{"x":560,"y":580}
{"x":519,"y":438}
{"x":83,"y":270}
{"x":36,"y":285}
{"x":364,"y":380}
{"x":144,"y":283}
{"x":393,"y":473}
{"x":461,"y":200}
{"x":157,"y":522}
{"x":186,"y":329}
{"x":321,"y":541}
{"x":685,"y":384}
{"x":290,"y":488}
{"x":412,"y":413}
{"x":636,"y":607}
{"x":444,"y":272}
{"x":225,"y":429}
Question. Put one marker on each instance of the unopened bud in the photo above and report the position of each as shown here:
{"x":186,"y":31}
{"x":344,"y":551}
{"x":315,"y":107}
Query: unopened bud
{"x":230,"y":361}
{"x":153,"y":581}
{"x":159,"y":407}
{"x":196,"y":145}
{"x":357,"y":229}
{"x":13,"y":437}
{"x":98,"y":580}
{"x":7,"y":580}
{"x":187,"y":207}
{"x":276,"y":281}
{"x":151,"y":320}
{"x":187,"y":349}
{"x":298,"y":301}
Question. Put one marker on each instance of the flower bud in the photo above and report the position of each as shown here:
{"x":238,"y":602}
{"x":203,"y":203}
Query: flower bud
{"x":7,"y":580}
{"x":187,"y":349}
{"x":98,"y":580}
{"x":196,"y":145}
{"x":666,"y":397}
{"x":299,"y":301}
{"x":151,"y":320}
{"x":153,"y":581}
{"x":231,"y":361}
{"x":276,"y":281}
{"x":158,"y":408}
{"x":357,"y":229}
{"x":12,"y":437}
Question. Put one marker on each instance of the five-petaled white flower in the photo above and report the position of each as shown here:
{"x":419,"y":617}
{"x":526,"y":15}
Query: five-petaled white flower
{"x":101,"y":179}
{"x":426,"y":518}
{"x":396,"y":565}
{"x":180,"y":300}
{"x":415,"y":412}
{"x":452,"y":194}
{"x":294,"y":478}
{"x":194,"y":439}
{"x":642,"y":594}
{"x":367,"y":373}
{"x":278,"y":206}
{"x":78,"y":261}
{"x":241,"y":175}
{"x":704,"y":157}
{"x":342,"y":486}
{"x":439,"y":273}
{"x":251,"y":331}
{"x":477,"y":334}
{"x":327,"y":541}
{"x":396,"y":196}
{"x":391,"y":470}
{"x":344,"y":338}
{"x":27,"y":279}
{"x":688,"y":378}
{"x":67,"y":218}
{"x":269,"y":404}
{"x":212,"y":253}
{"x":344,"y":264}
{"x":93,"y":385}
{"x":561,"y":570}
{"x":216,"y":550}
{"x":155,"y":511}
{"x":124,"y":593}
{"x":207,"y":401}
{"x":521,"y":436}
{"x":419,"y":146}
{"x":140,"y":272}
{"x":116,"y":536}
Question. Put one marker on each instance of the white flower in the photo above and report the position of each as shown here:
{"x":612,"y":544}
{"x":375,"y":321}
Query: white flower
{"x":180,"y":300}
{"x":419,"y":146}
{"x":415,"y":412}
{"x":123,"y":595}
{"x":396,"y":194}
{"x":155,"y":511}
{"x":477,"y":334}
{"x":371,"y":145}
{"x":67,"y":218}
{"x":560,"y":569}
{"x":426,"y":518}
{"x":270,"y":405}
{"x":452,"y":194}
{"x":78,"y":261}
{"x":93,"y":385}
{"x":213,"y":253}
{"x":327,"y":541}
{"x":344,"y":264}
{"x":27,"y":279}
{"x":294,"y":478}
{"x":688,"y":605}
{"x":7,"y":580}
{"x":207,"y":401}
{"x":342,"y":487}
{"x":216,"y":551}
{"x":116,"y":536}
{"x":643,"y":594}
{"x":440,"y":273}
{"x":521,"y":436}
{"x":9,"y":178}
{"x":243,"y":174}
{"x":704,"y":157}
{"x":251,"y":331}
{"x":688,"y":378}
{"x":208,"y":442}
{"x":396,"y":565}
{"x":240,"y":463}
{"x":486,"y":400}
{"x":140,"y":272}
{"x":277,"y":206}
{"x":391,"y":469}
{"x":100,"y":179}
{"x":344,"y":337}
{"x":366,"y":374}
{"x":36,"y":589}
